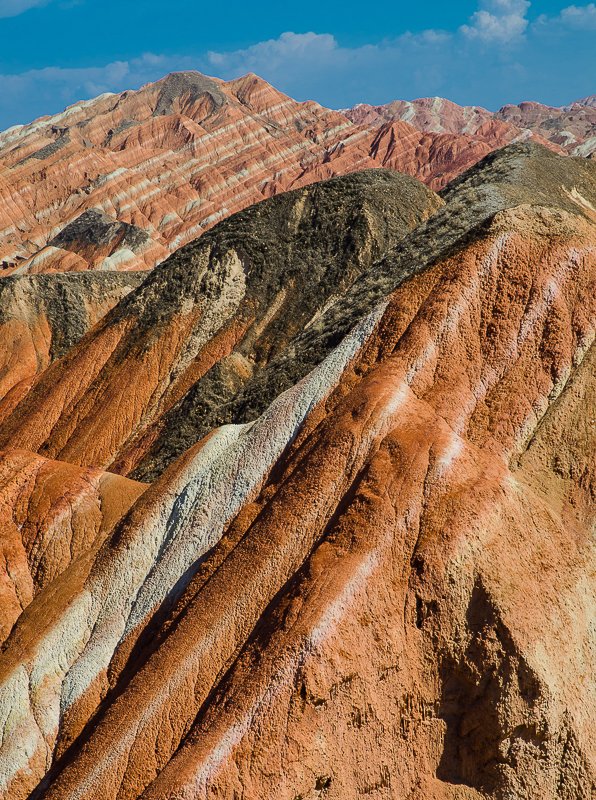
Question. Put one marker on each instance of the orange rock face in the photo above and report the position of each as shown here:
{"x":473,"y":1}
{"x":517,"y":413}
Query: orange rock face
{"x":217,"y":314}
{"x":41,"y":319}
{"x":50,"y":513}
{"x":371,"y":573}
{"x":171,"y":160}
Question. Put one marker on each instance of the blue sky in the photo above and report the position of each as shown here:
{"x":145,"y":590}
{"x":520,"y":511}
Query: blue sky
{"x":477,"y":52}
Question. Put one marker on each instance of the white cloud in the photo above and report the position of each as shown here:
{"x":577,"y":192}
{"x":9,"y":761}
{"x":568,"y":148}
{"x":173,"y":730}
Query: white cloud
{"x":315,"y":51}
{"x":89,"y":79}
{"x":12,"y":8}
{"x":499,"y":21}
{"x":473,"y":64}
{"x":432,"y":36}
{"x":297,"y":59}
{"x":66,"y":82}
{"x":304,"y":65}
{"x":578,"y":18}
{"x":274,"y":52}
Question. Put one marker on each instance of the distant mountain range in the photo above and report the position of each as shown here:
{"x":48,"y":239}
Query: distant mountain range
{"x":170,"y":160}
{"x":572,"y":128}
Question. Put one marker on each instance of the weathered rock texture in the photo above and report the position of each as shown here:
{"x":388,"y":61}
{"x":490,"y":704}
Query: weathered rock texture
{"x":120,"y":182}
{"x":51,"y":513}
{"x":378,"y":578}
{"x":169,"y":160}
{"x":42,"y":317}
{"x":96,"y":241}
{"x":209,"y":319}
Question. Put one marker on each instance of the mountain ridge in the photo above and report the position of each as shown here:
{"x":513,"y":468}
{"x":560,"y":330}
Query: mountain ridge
{"x":178,"y":155}
{"x":390,"y":554}
{"x":559,"y":126}
{"x":301,"y":507}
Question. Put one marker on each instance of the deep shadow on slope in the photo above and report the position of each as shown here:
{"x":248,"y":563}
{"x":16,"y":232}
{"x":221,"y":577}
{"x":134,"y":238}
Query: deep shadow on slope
{"x":213,"y":315}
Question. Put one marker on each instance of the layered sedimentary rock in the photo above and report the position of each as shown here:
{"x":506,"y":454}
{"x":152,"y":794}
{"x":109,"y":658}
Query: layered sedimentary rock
{"x":211,"y":317}
{"x":96,"y":241}
{"x":43,"y":317}
{"x":376,"y":577}
{"x":433,"y":158}
{"x":51,"y":513}
{"x":571,"y":129}
{"x":122,"y":181}
{"x":171,"y":160}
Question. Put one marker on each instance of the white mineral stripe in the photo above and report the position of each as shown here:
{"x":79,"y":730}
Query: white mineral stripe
{"x":227,"y":475}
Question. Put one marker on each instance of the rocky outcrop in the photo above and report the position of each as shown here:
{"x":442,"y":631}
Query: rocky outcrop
{"x":573,"y":127}
{"x":50,"y":514}
{"x":427,"y":114}
{"x":42,"y":317}
{"x":376,"y":579}
{"x":171,"y":160}
{"x":96,"y":241}
{"x":502,"y":183}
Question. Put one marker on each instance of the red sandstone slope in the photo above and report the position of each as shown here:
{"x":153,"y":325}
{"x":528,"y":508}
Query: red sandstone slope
{"x":382,"y":584}
{"x":571,"y":129}
{"x":50,"y":513}
{"x":171,"y":159}
{"x":225,"y":305}
{"x":119,"y":182}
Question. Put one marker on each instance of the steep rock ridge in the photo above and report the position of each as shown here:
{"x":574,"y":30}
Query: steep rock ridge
{"x":523,"y":174}
{"x":433,"y":158}
{"x":42,"y":317}
{"x":135,"y":577}
{"x":96,"y":241}
{"x":215,"y":313}
{"x":384,"y":584}
{"x":50,"y":512}
{"x":571,"y":129}
{"x":427,"y":114}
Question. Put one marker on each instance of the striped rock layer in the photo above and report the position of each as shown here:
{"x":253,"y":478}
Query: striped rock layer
{"x":571,"y":129}
{"x":208,"y":320}
{"x":42,"y":317}
{"x":379,"y":584}
{"x":122,"y":181}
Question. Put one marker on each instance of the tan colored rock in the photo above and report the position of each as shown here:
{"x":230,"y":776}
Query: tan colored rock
{"x":214,"y":315}
{"x":50,"y":513}
{"x":166,"y":163}
{"x":571,"y":129}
